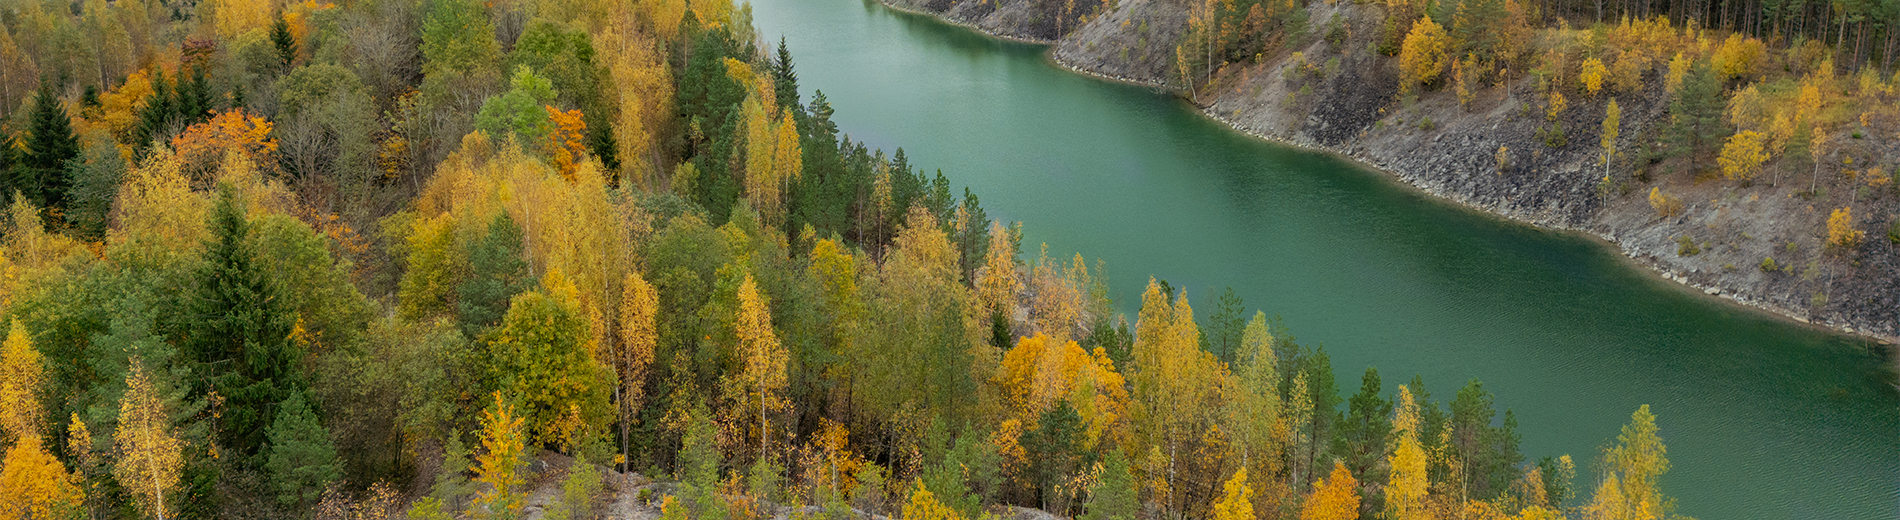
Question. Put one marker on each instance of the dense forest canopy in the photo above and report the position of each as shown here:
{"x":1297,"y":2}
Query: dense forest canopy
{"x":368,"y":258}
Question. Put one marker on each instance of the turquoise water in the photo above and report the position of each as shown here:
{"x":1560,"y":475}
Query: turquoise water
{"x":1764,"y":418}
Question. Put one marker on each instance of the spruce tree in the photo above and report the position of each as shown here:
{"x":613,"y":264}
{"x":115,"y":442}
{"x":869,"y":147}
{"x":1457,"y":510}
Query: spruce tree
{"x":286,"y":44}
{"x":155,"y":120}
{"x":1055,"y":449}
{"x":240,"y":331}
{"x":302,"y":459}
{"x":194,"y":99}
{"x":14,"y":175}
{"x":785,"y":79}
{"x":50,"y":145}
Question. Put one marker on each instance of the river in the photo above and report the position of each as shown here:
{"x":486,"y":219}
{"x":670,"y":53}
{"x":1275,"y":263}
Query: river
{"x":1763,"y":418}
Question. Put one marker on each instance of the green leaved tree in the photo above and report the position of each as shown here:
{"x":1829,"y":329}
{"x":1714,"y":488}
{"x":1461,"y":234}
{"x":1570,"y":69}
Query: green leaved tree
{"x":302,"y":459}
{"x":238,"y":329}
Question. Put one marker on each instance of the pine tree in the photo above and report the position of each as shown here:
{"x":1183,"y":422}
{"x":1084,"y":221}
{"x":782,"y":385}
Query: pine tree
{"x":498,"y":272}
{"x":1697,"y":112}
{"x":1362,"y":436}
{"x":1113,"y":496}
{"x":238,"y":330}
{"x":577,"y":492}
{"x":303,"y":460}
{"x":1054,"y":449}
{"x":50,"y":145}
{"x":699,"y":461}
{"x":451,"y":483}
{"x":194,"y":99}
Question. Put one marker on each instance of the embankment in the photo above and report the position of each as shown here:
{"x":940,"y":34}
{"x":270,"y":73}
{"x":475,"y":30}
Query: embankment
{"x":1330,"y":91}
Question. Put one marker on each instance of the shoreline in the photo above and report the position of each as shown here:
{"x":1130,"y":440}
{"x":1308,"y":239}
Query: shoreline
{"x":1888,"y":346}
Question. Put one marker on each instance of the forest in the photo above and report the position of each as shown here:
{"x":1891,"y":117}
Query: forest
{"x":1756,"y":91}
{"x":389,"y":258}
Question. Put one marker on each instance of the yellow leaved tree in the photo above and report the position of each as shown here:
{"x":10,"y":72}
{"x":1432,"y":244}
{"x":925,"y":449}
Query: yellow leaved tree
{"x":764,"y":374}
{"x":639,"y":334}
{"x":503,"y":443}
{"x":1591,"y":76}
{"x":150,"y":461}
{"x":998,"y":283}
{"x":1237,"y":502}
{"x":22,"y":371}
{"x":1405,"y":492}
{"x":1334,"y":498}
{"x":1423,"y":54}
{"x":923,"y":505}
{"x":36,"y":485}
{"x":566,"y":141}
{"x":1841,"y":232}
{"x":1743,"y":155}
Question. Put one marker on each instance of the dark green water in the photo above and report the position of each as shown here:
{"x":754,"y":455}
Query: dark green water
{"x":1763,"y":418}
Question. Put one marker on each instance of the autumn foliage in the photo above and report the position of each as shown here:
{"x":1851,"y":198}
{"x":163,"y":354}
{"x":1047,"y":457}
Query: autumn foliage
{"x":1841,"y":231}
{"x":1423,"y":55}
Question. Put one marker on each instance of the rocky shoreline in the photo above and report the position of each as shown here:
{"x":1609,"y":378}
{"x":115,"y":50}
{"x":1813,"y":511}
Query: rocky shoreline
{"x":1550,"y":189}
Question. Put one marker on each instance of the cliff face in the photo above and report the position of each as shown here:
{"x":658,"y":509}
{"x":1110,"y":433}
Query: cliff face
{"x":1330,"y":91}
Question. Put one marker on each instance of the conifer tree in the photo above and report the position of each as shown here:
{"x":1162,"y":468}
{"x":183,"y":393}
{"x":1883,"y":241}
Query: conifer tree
{"x":50,"y":145}
{"x":497,"y":273}
{"x":285,"y":43}
{"x":1113,"y":496}
{"x":303,"y":460}
{"x":238,"y":330}
{"x":785,"y":78}
{"x":159,"y":115}
{"x":451,"y":484}
{"x":1362,"y":436}
{"x":1696,"y":112}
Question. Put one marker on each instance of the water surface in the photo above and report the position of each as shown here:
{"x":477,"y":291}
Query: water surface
{"x":1763,"y":418}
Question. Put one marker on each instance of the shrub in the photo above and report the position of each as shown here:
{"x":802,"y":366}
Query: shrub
{"x":1666,"y":205}
{"x":1685,"y":246}
{"x":1768,"y":265}
{"x":1893,"y":231}
{"x":1427,"y":124}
